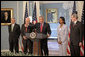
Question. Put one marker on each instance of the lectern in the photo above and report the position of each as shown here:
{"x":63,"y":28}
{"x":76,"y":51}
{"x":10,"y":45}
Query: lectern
{"x":36,"y":37}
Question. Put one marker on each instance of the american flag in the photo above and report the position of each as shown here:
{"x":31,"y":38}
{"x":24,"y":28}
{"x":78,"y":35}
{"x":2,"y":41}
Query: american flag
{"x":68,"y":47}
{"x":25,"y":16}
{"x":82,"y":47}
{"x":34,"y":17}
{"x":74,"y":8}
{"x":82,"y":15}
{"x":26,"y":12}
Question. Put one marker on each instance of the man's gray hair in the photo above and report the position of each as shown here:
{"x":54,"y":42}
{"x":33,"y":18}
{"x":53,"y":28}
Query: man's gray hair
{"x":41,"y":17}
{"x":27,"y":18}
{"x":75,"y":15}
{"x":13,"y":18}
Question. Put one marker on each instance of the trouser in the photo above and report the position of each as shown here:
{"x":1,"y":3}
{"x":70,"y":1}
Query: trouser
{"x":28,"y":44}
{"x":75,"y":50}
{"x":13,"y":44}
{"x":44,"y":47}
{"x":62,"y":49}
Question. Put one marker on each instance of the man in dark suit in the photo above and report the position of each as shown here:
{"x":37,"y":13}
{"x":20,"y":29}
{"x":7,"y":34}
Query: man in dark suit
{"x":14,"y":33}
{"x":6,"y":18}
{"x":27,"y":28}
{"x":43,"y":28}
{"x":75,"y":35}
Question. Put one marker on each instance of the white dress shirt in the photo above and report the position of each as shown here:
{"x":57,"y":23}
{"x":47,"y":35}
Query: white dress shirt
{"x":12,"y":27}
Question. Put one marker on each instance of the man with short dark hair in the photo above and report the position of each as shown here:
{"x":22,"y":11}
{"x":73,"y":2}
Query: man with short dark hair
{"x":75,"y":35}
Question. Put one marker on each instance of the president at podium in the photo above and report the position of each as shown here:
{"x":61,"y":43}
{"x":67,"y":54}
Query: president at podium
{"x":43,"y":28}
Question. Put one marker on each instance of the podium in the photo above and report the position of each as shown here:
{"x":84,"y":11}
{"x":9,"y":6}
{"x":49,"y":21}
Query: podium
{"x":36,"y":42}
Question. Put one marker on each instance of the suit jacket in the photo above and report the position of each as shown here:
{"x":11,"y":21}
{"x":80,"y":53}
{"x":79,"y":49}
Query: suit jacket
{"x":76,"y":33}
{"x":62,"y":34}
{"x":15,"y":33}
{"x":30,"y":28}
{"x":46,"y":28}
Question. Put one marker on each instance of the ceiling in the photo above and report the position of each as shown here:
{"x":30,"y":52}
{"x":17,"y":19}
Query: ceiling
{"x":44,"y":2}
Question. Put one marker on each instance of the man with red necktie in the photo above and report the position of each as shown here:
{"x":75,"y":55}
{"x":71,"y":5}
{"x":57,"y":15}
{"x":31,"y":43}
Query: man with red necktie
{"x":43,"y":28}
{"x":27,"y":28}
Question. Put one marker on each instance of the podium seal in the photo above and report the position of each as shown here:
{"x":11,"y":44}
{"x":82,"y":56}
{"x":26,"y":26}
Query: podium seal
{"x":33,"y":35}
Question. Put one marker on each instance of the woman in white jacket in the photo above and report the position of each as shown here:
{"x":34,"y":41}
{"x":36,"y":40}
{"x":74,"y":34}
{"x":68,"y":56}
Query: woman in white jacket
{"x":62,"y":31}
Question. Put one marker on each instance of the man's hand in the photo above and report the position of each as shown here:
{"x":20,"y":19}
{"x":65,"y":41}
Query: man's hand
{"x":48,"y":35}
{"x":24,"y":37}
{"x":80,"y":43}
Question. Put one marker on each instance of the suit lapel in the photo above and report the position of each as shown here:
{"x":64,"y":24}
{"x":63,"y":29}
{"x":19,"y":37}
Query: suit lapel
{"x":39,"y":27}
{"x":10,"y":28}
{"x":43,"y":26}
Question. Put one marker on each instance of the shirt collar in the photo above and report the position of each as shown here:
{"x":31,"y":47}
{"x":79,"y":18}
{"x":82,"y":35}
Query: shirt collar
{"x":75,"y":22}
{"x":42,"y":23}
{"x":13,"y":24}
